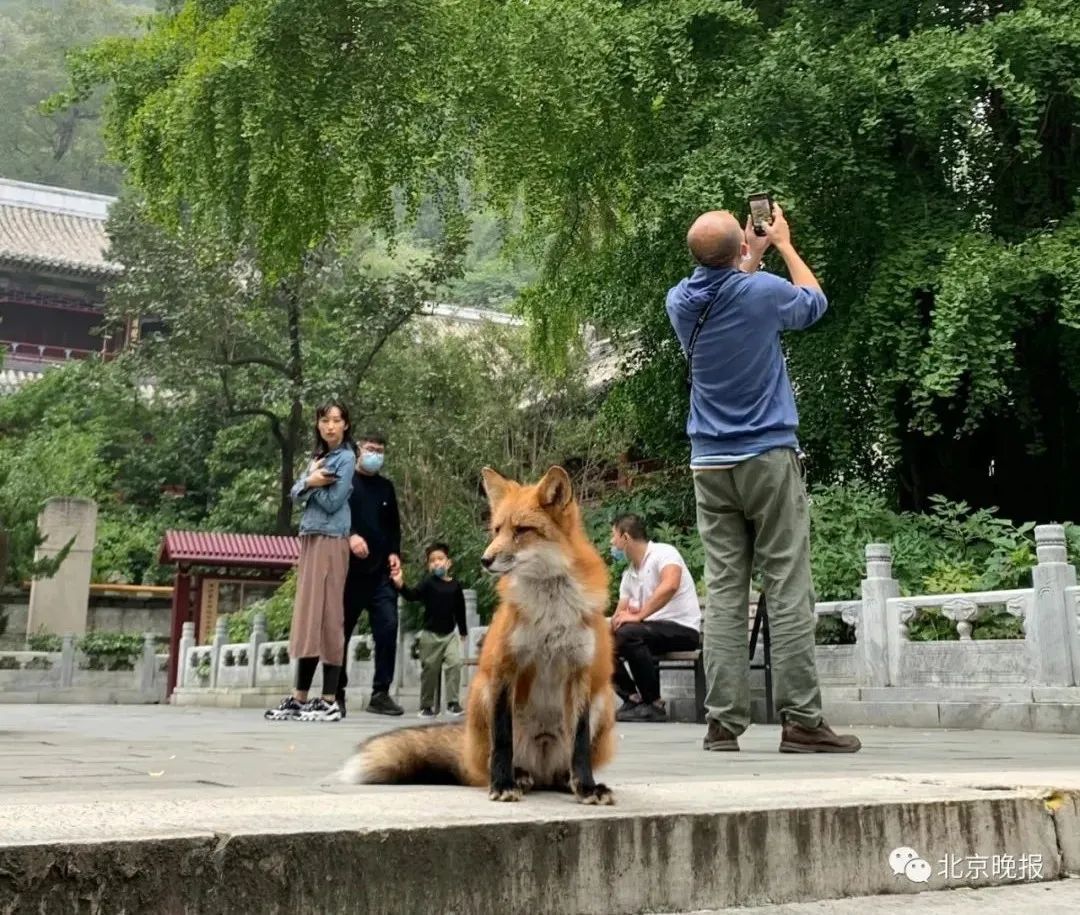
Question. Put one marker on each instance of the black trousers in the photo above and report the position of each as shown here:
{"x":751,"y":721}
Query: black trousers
{"x":376,"y":594}
{"x":636,"y":647}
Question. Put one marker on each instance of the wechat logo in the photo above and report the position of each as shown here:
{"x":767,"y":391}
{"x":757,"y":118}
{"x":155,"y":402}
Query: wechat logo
{"x":905,"y":862}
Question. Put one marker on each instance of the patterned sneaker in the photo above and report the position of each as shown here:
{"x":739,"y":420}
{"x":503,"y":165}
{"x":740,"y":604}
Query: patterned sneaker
{"x":319,"y":709}
{"x":289,"y":710}
{"x":452,"y":708}
{"x":427,"y":712}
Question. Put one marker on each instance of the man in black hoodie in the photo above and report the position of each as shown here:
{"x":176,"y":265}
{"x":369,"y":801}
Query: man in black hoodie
{"x":375,"y":548}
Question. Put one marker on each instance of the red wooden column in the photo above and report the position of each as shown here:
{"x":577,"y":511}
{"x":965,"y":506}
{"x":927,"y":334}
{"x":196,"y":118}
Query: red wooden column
{"x":181,"y":608}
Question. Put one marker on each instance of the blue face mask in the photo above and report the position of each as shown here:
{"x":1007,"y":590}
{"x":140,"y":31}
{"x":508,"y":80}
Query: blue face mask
{"x":618,"y":555}
{"x":371,"y":462}
{"x":440,"y":571}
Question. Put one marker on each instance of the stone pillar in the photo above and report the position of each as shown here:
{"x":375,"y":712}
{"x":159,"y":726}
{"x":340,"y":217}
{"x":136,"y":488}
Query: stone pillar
{"x":67,"y":660}
{"x":179,"y":653}
{"x":877,"y":646}
{"x":59,"y":603}
{"x":258,"y":636}
{"x":472,"y":615}
{"x":1051,"y":630}
{"x":221,"y":636}
{"x":147,"y":671}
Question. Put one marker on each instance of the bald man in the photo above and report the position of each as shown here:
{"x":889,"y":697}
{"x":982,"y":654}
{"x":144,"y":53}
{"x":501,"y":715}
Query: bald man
{"x":751,"y":502}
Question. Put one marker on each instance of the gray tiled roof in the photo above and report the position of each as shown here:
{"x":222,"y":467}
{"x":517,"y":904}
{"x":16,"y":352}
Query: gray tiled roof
{"x":54,"y":228}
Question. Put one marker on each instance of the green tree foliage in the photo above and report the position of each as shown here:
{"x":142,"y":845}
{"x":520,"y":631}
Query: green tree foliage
{"x":86,"y":430}
{"x":924,"y":153}
{"x":454,"y":399}
{"x":246,"y":347}
{"x":58,"y":147}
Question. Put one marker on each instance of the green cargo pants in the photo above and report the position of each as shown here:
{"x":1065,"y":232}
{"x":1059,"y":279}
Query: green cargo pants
{"x":439,"y":652}
{"x":757,"y":511}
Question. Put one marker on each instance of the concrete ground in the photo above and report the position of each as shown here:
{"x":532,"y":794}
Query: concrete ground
{"x":1061,"y":897}
{"x":51,"y":749}
{"x":125,"y":798}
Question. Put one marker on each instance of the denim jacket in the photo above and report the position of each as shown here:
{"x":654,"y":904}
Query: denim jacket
{"x":326,"y":508}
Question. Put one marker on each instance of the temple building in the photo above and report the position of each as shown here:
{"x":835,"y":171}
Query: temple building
{"x":53,"y":269}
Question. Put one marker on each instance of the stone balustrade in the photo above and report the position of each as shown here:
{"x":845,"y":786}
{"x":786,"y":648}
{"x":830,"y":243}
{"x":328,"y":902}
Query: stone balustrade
{"x":67,"y":675}
{"x":881,"y":665}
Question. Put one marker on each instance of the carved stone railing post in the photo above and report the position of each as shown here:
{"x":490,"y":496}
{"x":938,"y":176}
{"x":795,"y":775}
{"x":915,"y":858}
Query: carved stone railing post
{"x":876,"y":640}
{"x":258,"y":637}
{"x":1051,"y":635}
{"x":147,"y":668}
{"x":221,"y":636}
{"x":67,"y":660}
{"x":187,"y":641}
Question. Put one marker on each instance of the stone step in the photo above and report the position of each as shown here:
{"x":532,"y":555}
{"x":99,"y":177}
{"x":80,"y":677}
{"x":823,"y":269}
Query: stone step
{"x":664,"y":847}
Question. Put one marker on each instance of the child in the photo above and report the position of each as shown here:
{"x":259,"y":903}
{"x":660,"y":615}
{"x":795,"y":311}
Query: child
{"x":444,"y":605}
{"x":318,"y":622}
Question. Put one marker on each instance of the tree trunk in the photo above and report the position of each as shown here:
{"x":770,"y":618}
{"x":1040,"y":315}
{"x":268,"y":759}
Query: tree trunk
{"x":294,"y":428}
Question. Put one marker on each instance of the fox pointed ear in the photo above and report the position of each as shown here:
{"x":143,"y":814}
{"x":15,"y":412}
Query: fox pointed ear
{"x":555,"y":488}
{"x":495,"y":485}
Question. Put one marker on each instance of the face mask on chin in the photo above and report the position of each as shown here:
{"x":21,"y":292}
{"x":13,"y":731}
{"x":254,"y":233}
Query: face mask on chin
{"x":618,"y":555}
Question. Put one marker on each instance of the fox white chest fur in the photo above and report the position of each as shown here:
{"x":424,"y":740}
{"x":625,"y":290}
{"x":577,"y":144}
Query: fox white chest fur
{"x":553,"y":640}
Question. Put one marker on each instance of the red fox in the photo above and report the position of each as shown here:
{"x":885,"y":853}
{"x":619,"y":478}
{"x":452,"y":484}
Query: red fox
{"x":541,"y":709}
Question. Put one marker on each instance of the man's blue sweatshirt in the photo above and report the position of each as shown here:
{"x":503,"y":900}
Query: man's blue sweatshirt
{"x":741,"y":402}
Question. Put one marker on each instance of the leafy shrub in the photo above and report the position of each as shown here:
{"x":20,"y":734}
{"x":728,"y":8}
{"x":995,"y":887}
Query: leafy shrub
{"x":43,"y":641}
{"x":950,"y":549}
{"x":9,"y":662}
{"x":278,"y":608}
{"x":38,"y":663}
{"x":111,"y":650}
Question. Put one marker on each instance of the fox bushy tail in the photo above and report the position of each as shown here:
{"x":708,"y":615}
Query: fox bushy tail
{"x":424,"y":755}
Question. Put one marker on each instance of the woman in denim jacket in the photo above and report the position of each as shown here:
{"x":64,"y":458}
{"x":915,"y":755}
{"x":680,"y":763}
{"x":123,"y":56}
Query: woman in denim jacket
{"x":318,"y":622}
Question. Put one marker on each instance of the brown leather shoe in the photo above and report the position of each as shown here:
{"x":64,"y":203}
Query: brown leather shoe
{"x":822,"y":739}
{"x":719,"y":738}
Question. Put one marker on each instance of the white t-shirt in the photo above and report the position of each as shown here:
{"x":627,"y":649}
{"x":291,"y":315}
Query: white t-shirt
{"x":639,"y":584}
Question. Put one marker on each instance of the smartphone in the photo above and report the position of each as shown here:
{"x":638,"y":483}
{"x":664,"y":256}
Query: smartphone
{"x":760,"y":212}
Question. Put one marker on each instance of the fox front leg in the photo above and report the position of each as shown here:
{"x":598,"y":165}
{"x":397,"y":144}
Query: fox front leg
{"x":585,"y":789}
{"x":504,"y":786}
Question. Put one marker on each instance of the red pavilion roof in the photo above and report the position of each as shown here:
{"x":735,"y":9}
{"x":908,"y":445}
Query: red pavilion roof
{"x":217,"y":549}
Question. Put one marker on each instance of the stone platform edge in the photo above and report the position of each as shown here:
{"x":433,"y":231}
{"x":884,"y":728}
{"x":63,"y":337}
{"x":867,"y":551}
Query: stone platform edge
{"x":548,"y":858}
{"x":1049,"y":710}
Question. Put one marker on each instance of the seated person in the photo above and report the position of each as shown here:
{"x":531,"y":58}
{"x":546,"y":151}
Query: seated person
{"x":658,"y":612}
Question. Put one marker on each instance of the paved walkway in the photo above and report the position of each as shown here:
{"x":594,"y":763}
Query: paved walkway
{"x":1060,"y":897}
{"x":47,"y":749}
{"x":129,"y":797}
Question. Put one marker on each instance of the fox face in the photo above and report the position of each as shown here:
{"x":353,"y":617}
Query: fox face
{"x":529,"y":525}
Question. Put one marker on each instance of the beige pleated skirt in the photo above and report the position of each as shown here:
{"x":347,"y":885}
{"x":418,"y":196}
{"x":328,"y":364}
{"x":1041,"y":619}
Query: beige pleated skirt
{"x":318,"y":622}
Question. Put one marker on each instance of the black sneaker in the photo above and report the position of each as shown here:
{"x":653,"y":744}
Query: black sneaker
{"x":625,"y":709}
{"x":288,"y":710}
{"x":428,"y":712}
{"x":320,"y":710}
{"x":382,"y":704}
{"x":452,"y":708}
{"x":340,"y":699}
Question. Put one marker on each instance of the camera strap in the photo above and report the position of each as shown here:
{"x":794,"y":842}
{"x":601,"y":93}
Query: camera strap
{"x":702,"y":318}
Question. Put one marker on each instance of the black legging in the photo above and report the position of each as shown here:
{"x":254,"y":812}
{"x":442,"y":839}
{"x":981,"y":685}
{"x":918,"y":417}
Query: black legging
{"x":305,"y":673}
